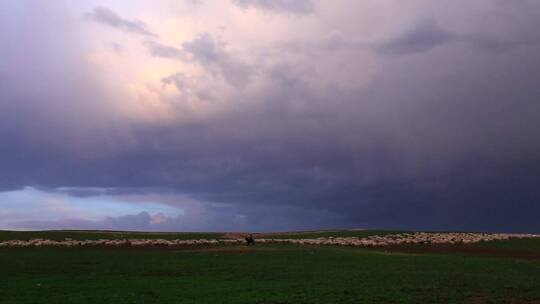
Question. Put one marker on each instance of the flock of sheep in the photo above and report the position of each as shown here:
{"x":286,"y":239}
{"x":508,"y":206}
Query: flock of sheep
{"x":406,"y":238}
{"x":370,"y":241}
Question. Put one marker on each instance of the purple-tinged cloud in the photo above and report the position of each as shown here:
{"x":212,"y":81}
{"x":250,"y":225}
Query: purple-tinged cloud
{"x":442,"y":134}
{"x":279,"y":6}
{"x":422,"y":36}
{"x":208,"y":53}
{"x":157,"y":49}
{"x":212,"y":55}
{"x":107,"y":17}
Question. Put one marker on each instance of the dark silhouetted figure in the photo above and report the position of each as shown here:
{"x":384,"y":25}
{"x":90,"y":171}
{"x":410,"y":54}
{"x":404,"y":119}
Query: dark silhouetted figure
{"x":250,"y":240}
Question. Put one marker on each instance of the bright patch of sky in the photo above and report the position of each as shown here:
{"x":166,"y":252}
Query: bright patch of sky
{"x":32,"y":204}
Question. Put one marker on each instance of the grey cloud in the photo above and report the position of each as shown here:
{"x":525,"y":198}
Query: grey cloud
{"x":279,"y":6}
{"x":212,"y":54}
{"x":426,"y":34}
{"x":443,"y":140}
{"x":139,"y":221}
{"x":157,"y":49}
{"x":103,"y":191}
{"x":179,"y":80}
{"x":135,"y":222}
{"x":107,"y":17}
{"x":191,"y":89}
{"x":115,"y":47}
{"x":195,"y":2}
{"x":203,"y":217}
{"x":205,"y":49}
{"x":424,"y":154}
{"x":208,"y":53}
{"x":423,"y":36}
{"x":495,"y":44}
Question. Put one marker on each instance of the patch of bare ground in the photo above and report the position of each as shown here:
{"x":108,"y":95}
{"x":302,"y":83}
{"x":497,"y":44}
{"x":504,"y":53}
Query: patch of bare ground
{"x":466,"y":249}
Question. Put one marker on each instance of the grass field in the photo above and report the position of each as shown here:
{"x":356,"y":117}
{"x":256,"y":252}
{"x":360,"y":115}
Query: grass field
{"x":496,"y":272}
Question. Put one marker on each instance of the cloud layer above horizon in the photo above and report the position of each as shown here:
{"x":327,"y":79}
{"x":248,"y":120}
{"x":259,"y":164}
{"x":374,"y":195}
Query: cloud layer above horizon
{"x":270,"y":115}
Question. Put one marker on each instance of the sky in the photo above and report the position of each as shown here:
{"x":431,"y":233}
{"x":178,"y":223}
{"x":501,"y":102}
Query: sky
{"x":259,"y":115}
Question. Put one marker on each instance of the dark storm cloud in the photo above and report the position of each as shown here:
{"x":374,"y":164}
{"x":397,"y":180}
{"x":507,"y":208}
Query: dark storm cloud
{"x":107,"y":17}
{"x":444,"y":162}
{"x":279,"y":6}
{"x":49,"y":97}
{"x":447,"y":139}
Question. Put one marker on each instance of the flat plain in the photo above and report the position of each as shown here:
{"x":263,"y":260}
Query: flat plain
{"x":488,"y":272}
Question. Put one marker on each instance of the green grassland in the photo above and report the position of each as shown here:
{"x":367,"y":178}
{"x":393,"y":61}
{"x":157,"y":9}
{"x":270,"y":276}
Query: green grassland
{"x":270,"y":273}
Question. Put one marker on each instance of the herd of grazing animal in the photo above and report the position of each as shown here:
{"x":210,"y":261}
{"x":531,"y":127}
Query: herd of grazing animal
{"x":369,"y":241}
